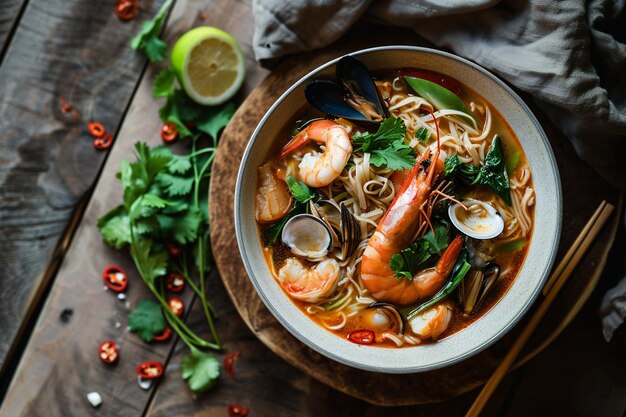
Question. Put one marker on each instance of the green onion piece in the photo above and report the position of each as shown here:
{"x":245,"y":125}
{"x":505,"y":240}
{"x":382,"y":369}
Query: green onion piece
{"x":512,"y":245}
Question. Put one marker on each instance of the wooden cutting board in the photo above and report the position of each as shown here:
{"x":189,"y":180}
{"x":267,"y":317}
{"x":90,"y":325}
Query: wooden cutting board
{"x":583,"y":190}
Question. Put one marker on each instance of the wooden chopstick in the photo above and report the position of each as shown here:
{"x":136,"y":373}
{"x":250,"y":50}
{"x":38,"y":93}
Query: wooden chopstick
{"x":558,"y":278}
{"x":568,"y":256}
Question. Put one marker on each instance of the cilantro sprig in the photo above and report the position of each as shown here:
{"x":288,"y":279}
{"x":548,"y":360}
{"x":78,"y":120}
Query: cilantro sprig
{"x":386,"y":146}
{"x":406,"y":263}
{"x":148,"y":41}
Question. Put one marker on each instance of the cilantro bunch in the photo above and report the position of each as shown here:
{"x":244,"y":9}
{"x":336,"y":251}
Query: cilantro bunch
{"x":386,"y":146}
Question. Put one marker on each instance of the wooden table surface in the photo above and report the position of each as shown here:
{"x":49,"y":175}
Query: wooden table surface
{"x":53,"y":312}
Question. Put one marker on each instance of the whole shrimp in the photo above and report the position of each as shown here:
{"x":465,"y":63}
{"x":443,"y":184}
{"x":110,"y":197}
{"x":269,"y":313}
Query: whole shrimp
{"x":397,"y":230}
{"x":320,"y":169}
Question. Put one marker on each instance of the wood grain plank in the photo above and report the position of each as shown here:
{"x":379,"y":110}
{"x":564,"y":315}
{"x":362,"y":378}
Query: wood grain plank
{"x":9,"y":16}
{"x":78,"y":50}
{"x":97,"y":315}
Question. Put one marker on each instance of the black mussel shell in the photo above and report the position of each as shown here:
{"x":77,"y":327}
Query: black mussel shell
{"x":353,"y":97}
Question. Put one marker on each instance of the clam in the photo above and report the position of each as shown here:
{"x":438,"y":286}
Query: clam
{"x":479,"y":221}
{"x":385,"y":316}
{"x":476,"y":286}
{"x":345,"y":230}
{"x":353,"y":96}
{"x":307,"y":236}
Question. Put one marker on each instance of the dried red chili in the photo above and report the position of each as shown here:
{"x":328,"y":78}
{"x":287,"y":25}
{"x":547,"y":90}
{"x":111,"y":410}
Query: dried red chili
{"x":108,"y":352}
{"x":229,"y":363}
{"x":235,"y":410}
{"x":164,"y":335}
{"x":65,"y":106}
{"x":126,"y":9}
{"x":362,"y":337}
{"x":173,"y":249}
{"x":175,"y":282}
{"x":115,"y":278}
{"x":169,"y":132}
{"x":104,"y":142}
{"x":150,"y":370}
{"x":96,"y":129}
{"x":176,"y":305}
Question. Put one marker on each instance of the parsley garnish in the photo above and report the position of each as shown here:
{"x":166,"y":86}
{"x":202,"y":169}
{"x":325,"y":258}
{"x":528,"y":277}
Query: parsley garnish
{"x":422,"y":134}
{"x":405,"y":264}
{"x":147,"y":40}
{"x":386,"y":147}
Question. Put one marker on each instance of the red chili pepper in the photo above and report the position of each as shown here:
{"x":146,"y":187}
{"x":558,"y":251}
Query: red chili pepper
{"x":115,"y":278}
{"x":169,"y":132}
{"x":126,"y":9}
{"x":175,"y":282}
{"x":164,"y":335}
{"x":67,"y":108}
{"x":104,"y":142}
{"x":96,"y":129}
{"x":108,"y":352}
{"x":443,"y":80}
{"x":362,"y":337}
{"x":173,"y":249}
{"x":150,"y":370}
{"x":176,"y":305}
{"x":235,"y":410}
{"x":229,"y":363}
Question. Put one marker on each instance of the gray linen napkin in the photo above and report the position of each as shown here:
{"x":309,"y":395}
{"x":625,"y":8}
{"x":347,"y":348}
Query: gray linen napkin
{"x":569,"y":55}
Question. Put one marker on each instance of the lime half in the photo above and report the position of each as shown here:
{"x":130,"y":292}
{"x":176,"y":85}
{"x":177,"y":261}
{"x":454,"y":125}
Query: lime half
{"x":209,"y":64}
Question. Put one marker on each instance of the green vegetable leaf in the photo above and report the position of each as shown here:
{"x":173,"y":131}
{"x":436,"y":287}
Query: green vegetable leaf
{"x":406,"y":263}
{"x":175,"y":185}
{"x":390,"y":130}
{"x":147,"y":40}
{"x":115,"y":227}
{"x":440,"y":97}
{"x":399,"y":157}
{"x":438,"y":240}
{"x":183,"y":228}
{"x":150,"y":266}
{"x":493,"y":173}
{"x":215,"y":119}
{"x":201,"y":370}
{"x":386,"y":147}
{"x":179,"y":164}
{"x":299,"y":190}
{"x":422,"y":134}
{"x":146,"y":320}
{"x":163,"y":83}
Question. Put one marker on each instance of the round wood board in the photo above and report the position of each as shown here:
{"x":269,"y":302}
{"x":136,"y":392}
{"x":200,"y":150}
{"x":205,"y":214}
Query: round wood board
{"x":583,"y":190}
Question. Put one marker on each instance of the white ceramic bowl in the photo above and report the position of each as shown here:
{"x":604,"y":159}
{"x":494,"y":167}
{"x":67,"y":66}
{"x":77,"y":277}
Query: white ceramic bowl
{"x":495,"y":322}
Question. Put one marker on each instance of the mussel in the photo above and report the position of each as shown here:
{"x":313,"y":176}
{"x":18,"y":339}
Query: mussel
{"x":480,"y":220}
{"x":307,"y":236}
{"x":385,"y":316}
{"x":345,"y":230}
{"x":353,"y":96}
{"x":476,"y":285}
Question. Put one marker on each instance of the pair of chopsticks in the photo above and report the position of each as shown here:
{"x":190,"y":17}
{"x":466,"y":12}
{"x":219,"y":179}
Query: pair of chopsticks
{"x":551,"y":289}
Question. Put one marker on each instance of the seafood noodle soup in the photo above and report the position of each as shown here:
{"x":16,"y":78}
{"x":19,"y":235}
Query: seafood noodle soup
{"x":398,"y":209}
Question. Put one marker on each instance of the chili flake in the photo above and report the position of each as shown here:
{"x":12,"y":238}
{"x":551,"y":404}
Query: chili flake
{"x":229,"y":363}
{"x":96,"y":129}
{"x":126,"y":9}
{"x":235,"y":410}
{"x":104,"y":142}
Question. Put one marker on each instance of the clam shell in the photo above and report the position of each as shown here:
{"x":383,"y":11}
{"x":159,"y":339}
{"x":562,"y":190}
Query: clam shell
{"x":307,"y":236}
{"x":482,"y":224}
